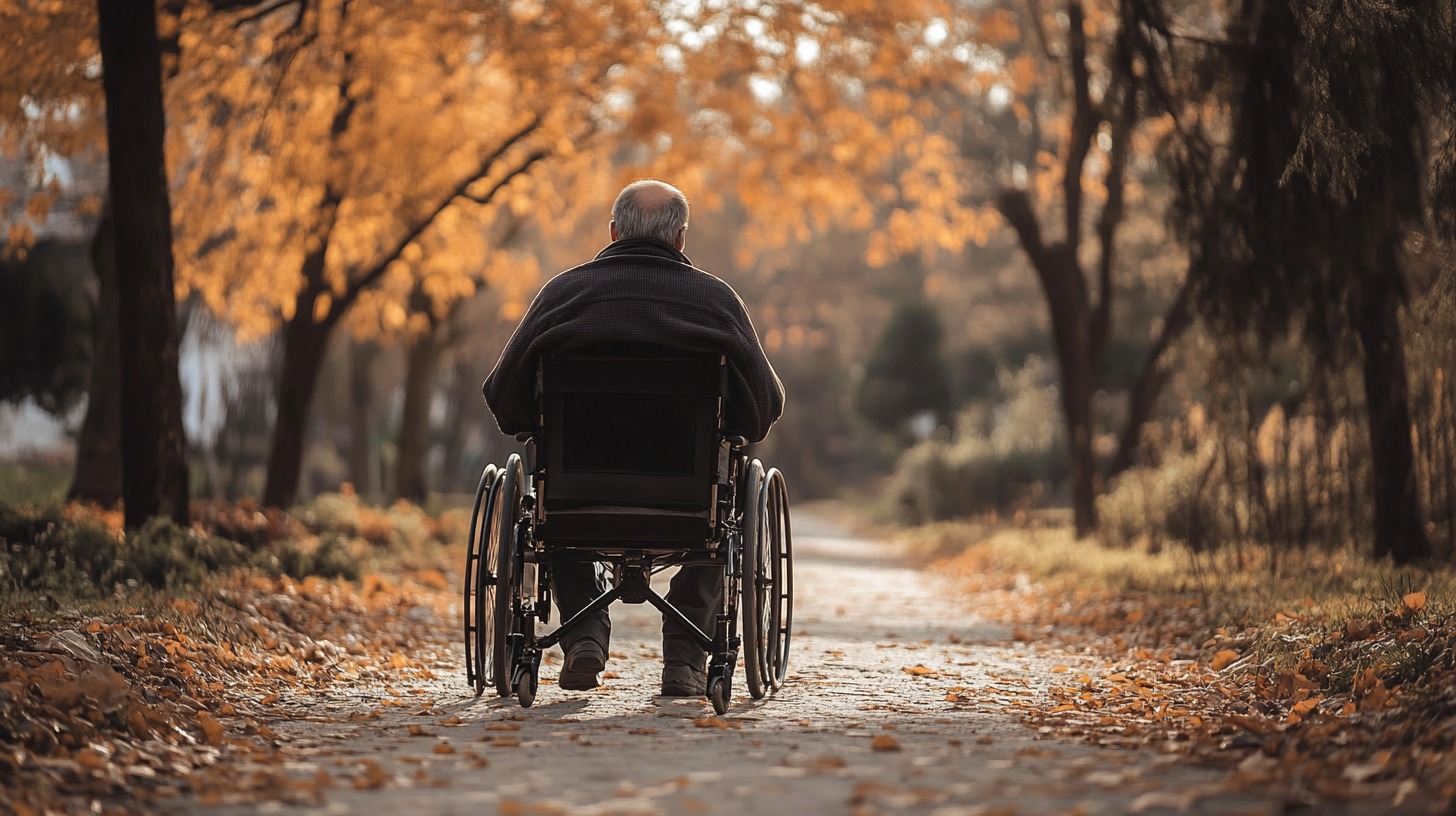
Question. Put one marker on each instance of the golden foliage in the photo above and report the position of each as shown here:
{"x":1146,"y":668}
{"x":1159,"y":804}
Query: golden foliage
{"x":364,"y":162}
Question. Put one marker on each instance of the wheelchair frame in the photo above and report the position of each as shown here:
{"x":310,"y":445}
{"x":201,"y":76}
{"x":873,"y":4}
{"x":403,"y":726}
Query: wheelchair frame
{"x":507,"y":582}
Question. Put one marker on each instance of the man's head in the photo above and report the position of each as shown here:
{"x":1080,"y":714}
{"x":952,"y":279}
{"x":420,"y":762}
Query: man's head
{"x":651,"y":209}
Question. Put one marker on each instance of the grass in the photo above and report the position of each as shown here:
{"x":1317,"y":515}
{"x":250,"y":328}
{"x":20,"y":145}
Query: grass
{"x":71,"y":553}
{"x":1236,"y":584}
{"x":35,"y":481}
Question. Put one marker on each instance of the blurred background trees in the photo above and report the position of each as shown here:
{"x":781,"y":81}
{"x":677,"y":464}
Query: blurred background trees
{"x":1182,"y":270}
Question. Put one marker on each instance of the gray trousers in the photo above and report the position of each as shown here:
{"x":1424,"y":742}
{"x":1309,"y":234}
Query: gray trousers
{"x":695,"y":590}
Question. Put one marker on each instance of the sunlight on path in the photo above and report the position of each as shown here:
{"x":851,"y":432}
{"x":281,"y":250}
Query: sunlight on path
{"x":899,"y":700}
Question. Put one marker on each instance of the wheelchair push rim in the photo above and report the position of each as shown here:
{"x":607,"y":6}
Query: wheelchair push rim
{"x":479,"y":583}
{"x":755,"y":582}
{"x":780,"y":555}
{"x":508,"y":574}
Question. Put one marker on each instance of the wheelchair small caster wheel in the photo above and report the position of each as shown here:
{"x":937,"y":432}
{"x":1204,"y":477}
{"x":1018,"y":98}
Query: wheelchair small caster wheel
{"x":526,"y":690}
{"x":718,"y":694}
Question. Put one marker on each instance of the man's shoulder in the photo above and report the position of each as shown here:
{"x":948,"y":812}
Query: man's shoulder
{"x":613,"y":271}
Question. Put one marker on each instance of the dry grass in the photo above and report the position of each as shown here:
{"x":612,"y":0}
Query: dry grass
{"x":1239,"y":585}
{"x":1328,"y":661}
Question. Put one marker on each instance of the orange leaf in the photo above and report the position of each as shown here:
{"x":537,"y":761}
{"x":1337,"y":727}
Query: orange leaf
{"x":884,"y":742}
{"x":211,"y":729}
{"x":1303,"y":707}
{"x":374,"y":776}
{"x":1415,"y":601}
{"x":1222,"y":660}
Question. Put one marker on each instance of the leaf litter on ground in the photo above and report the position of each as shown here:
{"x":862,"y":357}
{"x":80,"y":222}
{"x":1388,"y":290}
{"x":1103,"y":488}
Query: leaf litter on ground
{"x":107,"y":704}
{"x":1348,"y":697}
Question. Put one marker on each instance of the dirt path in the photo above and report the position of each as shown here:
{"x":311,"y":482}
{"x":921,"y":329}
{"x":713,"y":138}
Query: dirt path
{"x":900,"y":700}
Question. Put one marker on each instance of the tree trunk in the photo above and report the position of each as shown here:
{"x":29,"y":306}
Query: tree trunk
{"x":305,"y":342}
{"x":1399,"y":528}
{"x":1151,"y":379}
{"x":464,"y":412}
{"x":411,"y":479}
{"x":1065,"y":289}
{"x":1077,"y":376}
{"x":153,"y":444}
{"x":361,"y":418}
{"x":98,"y":448}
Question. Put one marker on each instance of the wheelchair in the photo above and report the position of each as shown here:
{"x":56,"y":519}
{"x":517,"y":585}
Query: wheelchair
{"x":629,"y":466}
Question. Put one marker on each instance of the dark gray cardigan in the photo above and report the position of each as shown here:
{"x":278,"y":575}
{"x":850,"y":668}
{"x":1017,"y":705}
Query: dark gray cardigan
{"x":638,"y":290}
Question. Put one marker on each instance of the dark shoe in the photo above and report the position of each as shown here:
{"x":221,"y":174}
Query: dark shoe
{"x":583,"y":666}
{"x":684,"y":681}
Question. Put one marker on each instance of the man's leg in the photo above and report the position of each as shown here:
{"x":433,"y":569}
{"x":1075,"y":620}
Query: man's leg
{"x":576,"y":584}
{"x":698,"y":592}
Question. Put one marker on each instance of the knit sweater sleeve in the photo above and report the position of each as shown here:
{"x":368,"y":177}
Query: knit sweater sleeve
{"x":757,"y":400}
{"x":510,"y":389}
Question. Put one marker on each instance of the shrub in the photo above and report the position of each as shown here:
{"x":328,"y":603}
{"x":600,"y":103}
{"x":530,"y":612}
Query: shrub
{"x":338,"y":512}
{"x":164,"y":555}
{"x":1005,"y":459}
{"x":1177,"y":501}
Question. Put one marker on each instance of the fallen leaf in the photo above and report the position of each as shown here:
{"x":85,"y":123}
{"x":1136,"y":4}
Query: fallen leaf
{"x":374,"y":776}
{"x":1223,"y":658}
{"x":211,"y":729}
{"x":884,"y":742}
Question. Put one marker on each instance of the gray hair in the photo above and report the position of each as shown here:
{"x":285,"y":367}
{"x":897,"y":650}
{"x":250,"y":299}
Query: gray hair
{"x":650,"y":209}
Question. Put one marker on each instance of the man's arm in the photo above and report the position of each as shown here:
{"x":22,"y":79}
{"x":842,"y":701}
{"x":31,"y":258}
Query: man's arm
{"x":510,"y":390}
{"x":752,"y":412}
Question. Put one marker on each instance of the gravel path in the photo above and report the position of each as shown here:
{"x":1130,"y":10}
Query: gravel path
{"x":899,"y":700}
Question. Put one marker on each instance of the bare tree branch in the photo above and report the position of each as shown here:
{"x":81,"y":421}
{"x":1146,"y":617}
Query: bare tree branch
{"x":1124,"y":93}
{"x":261,"y":10}
{"x":358,"y":284}
{"x":1150,"y":380}
{"x":1033,"y":13}
{"x":1085,"y":119}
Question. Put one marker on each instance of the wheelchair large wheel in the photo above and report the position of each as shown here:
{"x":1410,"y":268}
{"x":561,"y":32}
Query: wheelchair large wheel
{"x":756,"y":580}
{"x":778,"y":545}
{"x":511,"y":505}
{"x":478,"y":605}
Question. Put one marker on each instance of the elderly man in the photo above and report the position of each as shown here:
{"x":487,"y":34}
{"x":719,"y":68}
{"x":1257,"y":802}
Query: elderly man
{"x":640,"y":289}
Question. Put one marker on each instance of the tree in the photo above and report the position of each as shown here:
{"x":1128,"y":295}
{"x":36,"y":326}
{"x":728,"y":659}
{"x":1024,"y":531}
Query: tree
{"x":1081,"y":326}
{"x":98,"y":476}
{"x":340,"y":164}
{"x":154,"y":465}
{"x":345,"y":178}
{"x":43,"y":352}
{"x":1301,"y":167}
{"x":906,"y":374}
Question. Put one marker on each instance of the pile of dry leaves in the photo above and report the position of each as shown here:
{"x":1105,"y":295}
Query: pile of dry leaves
{"x":1328,"y":706}
{"x":105,"y":705}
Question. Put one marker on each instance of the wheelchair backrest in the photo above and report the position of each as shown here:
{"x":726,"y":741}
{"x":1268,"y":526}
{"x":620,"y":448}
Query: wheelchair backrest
{"x":631,"y":426}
